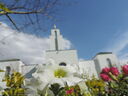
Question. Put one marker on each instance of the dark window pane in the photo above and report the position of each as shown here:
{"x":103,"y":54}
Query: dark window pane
{"x":62,"y":64}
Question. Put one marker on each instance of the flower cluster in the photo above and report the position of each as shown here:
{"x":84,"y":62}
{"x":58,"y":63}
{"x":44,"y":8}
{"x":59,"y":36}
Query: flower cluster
{"x":57,"y":81}
{"x":117,"y":83}
{"x":125,"y":69}
{"x":70,"y":91}
{"x":108,"y":73}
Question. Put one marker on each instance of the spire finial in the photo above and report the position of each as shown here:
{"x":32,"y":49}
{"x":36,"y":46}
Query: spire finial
{"x":54,"y":26}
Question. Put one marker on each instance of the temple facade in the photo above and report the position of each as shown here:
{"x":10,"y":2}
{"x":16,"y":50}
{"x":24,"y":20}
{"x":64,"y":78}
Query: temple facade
{"x":57,"y":54}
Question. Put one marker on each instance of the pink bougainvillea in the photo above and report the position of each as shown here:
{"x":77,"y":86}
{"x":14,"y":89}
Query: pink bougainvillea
{"x":125,"y":69}
{"x":68,"y":92}
{"x":105,"y":77}
{"x":114,"y":71}
{"x":106,"y":70}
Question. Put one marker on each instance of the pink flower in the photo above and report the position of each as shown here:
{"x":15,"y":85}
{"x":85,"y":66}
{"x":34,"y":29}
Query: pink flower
{"x":114,"y":71}
{"x":105,"y":77}
{"x":106,"y":70}
{"x":125,"y":69}
{"x":70,"y":91}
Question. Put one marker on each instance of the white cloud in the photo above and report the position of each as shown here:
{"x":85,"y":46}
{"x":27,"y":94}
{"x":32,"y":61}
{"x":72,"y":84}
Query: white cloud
{"x":119,"y":46}
{"x":119,"y":43}
{"x":29,"y":48}
{"x":67,"y":44}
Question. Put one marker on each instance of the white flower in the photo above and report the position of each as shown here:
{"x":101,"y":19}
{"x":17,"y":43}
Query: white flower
{"x":46,"y":75}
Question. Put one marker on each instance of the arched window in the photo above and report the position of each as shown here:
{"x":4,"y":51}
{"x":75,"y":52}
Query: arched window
{"x":109,"y":62}
{"x":62,"y":64}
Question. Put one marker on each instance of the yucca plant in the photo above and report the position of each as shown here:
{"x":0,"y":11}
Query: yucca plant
{"x":96,"y":87}
{"x":14,"y":83}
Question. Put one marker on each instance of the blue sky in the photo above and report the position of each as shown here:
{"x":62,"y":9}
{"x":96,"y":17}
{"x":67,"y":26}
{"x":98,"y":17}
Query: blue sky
{"x":92,"y":26}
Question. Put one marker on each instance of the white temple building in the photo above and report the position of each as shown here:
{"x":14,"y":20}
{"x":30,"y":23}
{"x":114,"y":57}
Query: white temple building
{"x":62,"y":57}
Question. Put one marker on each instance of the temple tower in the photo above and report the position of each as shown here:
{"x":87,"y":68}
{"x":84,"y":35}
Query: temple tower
{"x":57,"y":53}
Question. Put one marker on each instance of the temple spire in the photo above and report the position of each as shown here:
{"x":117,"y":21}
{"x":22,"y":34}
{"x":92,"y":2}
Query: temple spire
{"x":54,"y":26}
{"x":56,"y":39}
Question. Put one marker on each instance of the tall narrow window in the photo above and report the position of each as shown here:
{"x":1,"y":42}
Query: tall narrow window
{"x":56,"y":41}
{"x":109,"y":62}
{"x":8,"y":70}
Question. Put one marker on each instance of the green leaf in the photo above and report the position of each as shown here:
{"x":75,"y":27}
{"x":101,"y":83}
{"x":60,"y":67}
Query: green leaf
{"x":1,"y":70}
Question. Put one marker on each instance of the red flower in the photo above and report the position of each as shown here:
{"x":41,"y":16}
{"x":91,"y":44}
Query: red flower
{"x":106,"y":70}
{"x":114,"y":71}
{"x":70,"y":91}
{"x":125,"y":69}
{"x":105,"y":77}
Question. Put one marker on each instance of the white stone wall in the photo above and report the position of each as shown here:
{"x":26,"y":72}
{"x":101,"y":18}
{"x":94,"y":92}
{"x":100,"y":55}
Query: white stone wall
{"x":15,"y":65}
{"x":66,"y":56}
{"x":2,"y":84}
{"x":87,"y":67}
{"x":101,"y":61}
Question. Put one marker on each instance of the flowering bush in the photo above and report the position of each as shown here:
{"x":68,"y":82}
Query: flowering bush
{"x":108,"y":73}
{"x":65,"y":91}
{"x":96,"y":86}
{"x":105,"y":77}
{"x":117,"y":83}
{"x":125,"y":69}
{"x":112,"y":83}
{"x":60,"y":83}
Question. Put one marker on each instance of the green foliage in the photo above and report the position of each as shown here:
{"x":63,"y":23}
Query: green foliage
{"x":14,"y":84}
{"x":96,"y":86}
{"x":65,"y":91}
{"x":118,"y":88}
{"x":13,"y":92}
{"x":72,"y":91}
{"x":1,"y":70}
{"x":57,"y":90}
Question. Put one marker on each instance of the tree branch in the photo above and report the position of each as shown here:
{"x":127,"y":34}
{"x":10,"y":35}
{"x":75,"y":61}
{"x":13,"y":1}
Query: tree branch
{"x":12,"y":22}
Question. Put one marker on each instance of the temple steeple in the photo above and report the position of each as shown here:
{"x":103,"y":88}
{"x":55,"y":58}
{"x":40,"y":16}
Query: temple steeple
{"x":54,"y":27}
{"x":56,"y":39}
{"x":57,"y":53}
